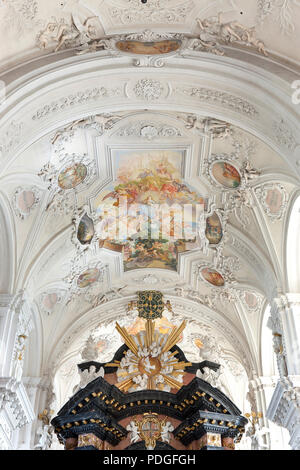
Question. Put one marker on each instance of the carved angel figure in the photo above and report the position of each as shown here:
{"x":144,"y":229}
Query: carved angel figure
{"x":87,"y":376}
{"x":58,"y":32}
{"x":133,"y":429}
{"x":280,"y":356}
{"x":100,"y":122}
{"x":249,"y":171}
{"x":210,"y":376}
{"x":219,"y":129}
{"x":45,"y":440}
{"x":165,"y":431}
{"x":214,"y":30}
{"x":257,"y":438}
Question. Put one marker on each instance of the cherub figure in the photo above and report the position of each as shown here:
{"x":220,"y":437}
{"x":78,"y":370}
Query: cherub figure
{"x":59,"y":32}
{"x":213,"y":30}
{"x":132,"y":427}
{"x":165,"y":431}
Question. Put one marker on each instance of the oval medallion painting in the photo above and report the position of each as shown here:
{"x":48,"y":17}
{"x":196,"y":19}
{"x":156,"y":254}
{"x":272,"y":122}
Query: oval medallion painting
{"x":213,"y":277}
{"x":88,"y":277}
{"x":213,"y":231}
{"x":25,"y":201}
{"x":148,"y":48}
{"x":85,"y":230}
{"x":72,"y":176}
{"x":49,"y":301}
{"x":226,"y":174}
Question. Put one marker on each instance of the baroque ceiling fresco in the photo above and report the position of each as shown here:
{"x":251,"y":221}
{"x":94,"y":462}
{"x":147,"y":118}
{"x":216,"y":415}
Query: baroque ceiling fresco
{"x":151,"y":177}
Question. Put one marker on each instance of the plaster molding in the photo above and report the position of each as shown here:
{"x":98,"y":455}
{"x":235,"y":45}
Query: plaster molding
{"x":16,"y":402}
{"x":284,"y":408}
{"x":24,"y":209}
{"x":265,"y":191}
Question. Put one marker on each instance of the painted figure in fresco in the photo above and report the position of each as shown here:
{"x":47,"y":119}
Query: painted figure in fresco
{"x":230,"y":172}
{"x":153,"y":179}
{"x":213,"y":30}
{"x":213,"y":231}
{"x":88,"y":277}
{"x":226,"y":174}
{"x":213,"y":277}
{"x":72,"y":176}
{"x":151,"y":48}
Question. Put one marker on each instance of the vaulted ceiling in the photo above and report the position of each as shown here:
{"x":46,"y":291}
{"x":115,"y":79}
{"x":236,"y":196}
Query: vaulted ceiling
{"x":152,"y":104}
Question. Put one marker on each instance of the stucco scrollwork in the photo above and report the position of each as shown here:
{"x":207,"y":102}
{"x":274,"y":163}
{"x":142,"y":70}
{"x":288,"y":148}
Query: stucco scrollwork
{"x":10,"y":137}
{"x":274,"y":200}
{"x":153,"y":12}
{"x":284,"y":135}
{"x":25,"y":199}
{"x":148,"y":130}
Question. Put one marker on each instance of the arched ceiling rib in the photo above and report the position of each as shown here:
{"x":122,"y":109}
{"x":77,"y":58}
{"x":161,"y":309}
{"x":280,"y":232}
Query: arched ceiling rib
{"x":197,"y":105}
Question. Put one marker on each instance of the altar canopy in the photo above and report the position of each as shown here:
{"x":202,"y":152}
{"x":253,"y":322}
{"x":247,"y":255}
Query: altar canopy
{"x":149,"y":396}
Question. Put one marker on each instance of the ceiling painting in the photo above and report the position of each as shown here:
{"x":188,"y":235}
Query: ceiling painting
{"x":149,"y":213}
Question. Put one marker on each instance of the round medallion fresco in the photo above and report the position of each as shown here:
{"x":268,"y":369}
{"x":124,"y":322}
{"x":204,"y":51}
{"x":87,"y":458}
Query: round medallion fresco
{"x":213,"y":277}
{"x":213,"y":231}
{"x":72,"y":176}
{"x":226,"y":174}
{"x":88,"y":277}
{"x":148,"y":48}
{"x":85,"y":230}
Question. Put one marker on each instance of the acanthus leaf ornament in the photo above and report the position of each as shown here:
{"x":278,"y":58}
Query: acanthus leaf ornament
{"x":11,"y":137}
{"x":215,"y":97}
{"x":148,"y":130}
{"x":153,"y":12}
{"x":283,"y":13}
{"x":148,"y":89}
{"x":85,"y":96}
{"x":284,"y":135}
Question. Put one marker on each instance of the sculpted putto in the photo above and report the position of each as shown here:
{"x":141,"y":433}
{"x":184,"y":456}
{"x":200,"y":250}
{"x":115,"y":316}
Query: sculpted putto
{"x":219,"y":129}
{"x":213,"y":30}
{"x":73,"y":34}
